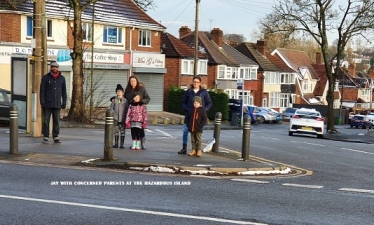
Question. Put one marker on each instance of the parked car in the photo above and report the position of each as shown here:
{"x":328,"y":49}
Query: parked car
{"x":266,"y":115}
{"x":360,"y":121}
{"x":307,"y":121}
{"x":4,"y":105}
{"x":252,"y":111}
{"x":278,"y":115}
{"x":234,"y":108}
{"x":288,"y":113}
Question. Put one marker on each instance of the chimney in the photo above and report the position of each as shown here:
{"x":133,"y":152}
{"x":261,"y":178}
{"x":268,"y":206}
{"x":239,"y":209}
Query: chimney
{"x":261,"y":46}
{"x":318,"y":58}
{"x":352,"y":68}
{"x":183,"y":31}
{"x":217,"y":36}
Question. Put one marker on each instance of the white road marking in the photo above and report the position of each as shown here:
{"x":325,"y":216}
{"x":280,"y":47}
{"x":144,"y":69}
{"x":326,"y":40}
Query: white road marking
{"x":130,"y":210}
{"x":302,"y":185}
{"x":360,"y":151}
{"x":164,"y":133}
{"x":308,"y":143}
{"x":251,"y":181}
{"x":357,"y":190}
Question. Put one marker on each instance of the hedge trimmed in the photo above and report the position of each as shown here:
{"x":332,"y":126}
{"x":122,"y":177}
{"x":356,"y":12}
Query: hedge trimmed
{"x":220,"y":102}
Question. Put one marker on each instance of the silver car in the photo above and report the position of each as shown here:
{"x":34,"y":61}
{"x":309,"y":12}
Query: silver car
{"x":264,"y":115}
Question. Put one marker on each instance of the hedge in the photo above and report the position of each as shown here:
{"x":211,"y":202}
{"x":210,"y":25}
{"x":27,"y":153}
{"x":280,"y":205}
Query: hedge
{"x":220,"y":102}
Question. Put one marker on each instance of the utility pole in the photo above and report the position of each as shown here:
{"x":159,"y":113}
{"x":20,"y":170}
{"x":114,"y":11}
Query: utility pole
{"x":196,"y":38}
{"x":39,"y":52}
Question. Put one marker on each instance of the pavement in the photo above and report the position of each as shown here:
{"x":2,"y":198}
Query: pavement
{"x":83,"y":146}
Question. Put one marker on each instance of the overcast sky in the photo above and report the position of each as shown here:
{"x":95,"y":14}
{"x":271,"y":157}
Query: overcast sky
{"x":231,"y":16}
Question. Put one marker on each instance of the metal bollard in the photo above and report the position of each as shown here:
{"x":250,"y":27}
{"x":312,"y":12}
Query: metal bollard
{"x":217,"y":131}
{"x":246,"y":137}
{"x":108,"y":136}
{"x":13,"y":129}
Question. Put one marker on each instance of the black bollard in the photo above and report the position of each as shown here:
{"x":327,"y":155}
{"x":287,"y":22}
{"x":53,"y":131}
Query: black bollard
{"x":108,"y":136}
{"x":217,"y":131}
{"x":246,"y":137}
{"x":13,"y":129}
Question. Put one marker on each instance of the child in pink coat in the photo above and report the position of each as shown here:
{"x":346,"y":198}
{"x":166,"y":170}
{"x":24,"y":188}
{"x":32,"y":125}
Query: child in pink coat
{"x":136,"y":120}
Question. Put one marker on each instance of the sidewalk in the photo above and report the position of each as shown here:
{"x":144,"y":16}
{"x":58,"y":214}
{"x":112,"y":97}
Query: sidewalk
{"x":85,"y":147}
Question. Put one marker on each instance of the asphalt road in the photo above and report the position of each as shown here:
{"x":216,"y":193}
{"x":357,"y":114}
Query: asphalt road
{"x":340,"y":190}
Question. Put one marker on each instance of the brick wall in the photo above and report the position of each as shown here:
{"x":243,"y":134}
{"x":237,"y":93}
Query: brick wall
{"x":258,"y":94}
{"x":10,"y":25}
{"x":171,"y":78}
{"x":155,"y":41}
{"x":349,"y":94}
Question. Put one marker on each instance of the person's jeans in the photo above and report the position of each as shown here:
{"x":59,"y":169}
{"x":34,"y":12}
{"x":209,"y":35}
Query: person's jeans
{"x":185,"y":134}
{"x":56,"y":121}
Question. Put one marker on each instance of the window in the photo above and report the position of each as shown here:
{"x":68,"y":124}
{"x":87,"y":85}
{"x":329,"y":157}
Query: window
{"x":49,"y":29}
{"x":30,"y":27}
{"x":234,"y":74}
{"x":228,"y":73}
{"x":305,"y":85}
{"x":287,"y":78}
{"x":274,"y":99}
{"x":253,"y":74}
{"x":145,"y":38}
{"x":232,"y":93}
{"x":221,"y":72}
{"x":188,"y":67}
{"x":272,"y":78}
{"x":336,"y":104}
{"x":365,"y":92}
{"x":247,"y":97}
{"x":112,"y":35}
{"x":87,"y":31}
{"x":284,"y":100}
{"x":264,"y":102}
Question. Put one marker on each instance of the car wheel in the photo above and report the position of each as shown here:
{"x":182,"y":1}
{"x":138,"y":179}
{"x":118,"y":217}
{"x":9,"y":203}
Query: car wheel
{"x":319,"y":135}
{"x":261,"y":119}
{"x":356,"y":126}
{"x":351,"y":126}
{"x":290,"y":133}
{"x":363,"y":127}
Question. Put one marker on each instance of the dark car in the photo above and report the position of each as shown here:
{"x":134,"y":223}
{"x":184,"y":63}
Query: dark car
{"x":288,"y":113}
{"x":4,"y":105}
{"x":360,"y":121}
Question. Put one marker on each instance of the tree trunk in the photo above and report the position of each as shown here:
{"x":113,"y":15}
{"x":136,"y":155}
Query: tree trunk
{"x":76,"y":111}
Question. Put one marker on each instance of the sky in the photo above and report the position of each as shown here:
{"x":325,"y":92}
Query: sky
{"x":231,"y":16}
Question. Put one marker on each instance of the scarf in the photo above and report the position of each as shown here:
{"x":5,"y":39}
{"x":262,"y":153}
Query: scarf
{"x":55,"y":75}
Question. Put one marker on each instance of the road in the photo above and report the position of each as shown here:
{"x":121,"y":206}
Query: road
{"x":340,"y":190}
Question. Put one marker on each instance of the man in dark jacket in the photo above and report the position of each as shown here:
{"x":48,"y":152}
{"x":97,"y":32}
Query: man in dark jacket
{"x":187,"y":106}
{"x":52,"y":99}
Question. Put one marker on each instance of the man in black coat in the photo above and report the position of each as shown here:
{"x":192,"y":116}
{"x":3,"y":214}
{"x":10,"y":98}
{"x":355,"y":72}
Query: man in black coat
{"x":52,"y":99}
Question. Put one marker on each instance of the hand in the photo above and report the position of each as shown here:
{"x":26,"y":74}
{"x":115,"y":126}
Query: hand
{"x":127,"y":125}
{"x":63,"y":106}
{"x":144,"y":126}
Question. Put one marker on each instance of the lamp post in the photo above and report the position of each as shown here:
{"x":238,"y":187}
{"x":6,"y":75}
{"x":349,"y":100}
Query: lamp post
{"x":196,"y":38}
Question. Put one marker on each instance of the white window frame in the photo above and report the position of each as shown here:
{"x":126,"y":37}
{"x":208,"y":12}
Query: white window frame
{"x":305,"y":85}
{"x":87,"y":32}
{"x":264,"y":102}
{"x":272,"y":78}
{"x":118,"y":37}
{"x":274,"y":99}
{"x":253,"y":74}
{"x":221,"y":72}
{"x":246,"y":96}
{"x":232,"y":93}
{"x":30,"y":22}
{"x":365,"y":92}
{"x":145,"y":38}
{"x":187,"y":67}
{"x":284,"y":100}
{"x":287,"y":78}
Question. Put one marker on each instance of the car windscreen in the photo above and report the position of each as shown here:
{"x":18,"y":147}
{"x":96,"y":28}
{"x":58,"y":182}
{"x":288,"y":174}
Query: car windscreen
{"x":308,"y":114}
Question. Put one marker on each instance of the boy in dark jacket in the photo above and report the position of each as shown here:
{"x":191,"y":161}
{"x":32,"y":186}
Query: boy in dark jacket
{"x":118,"y":105}
{"x":196,"y":120}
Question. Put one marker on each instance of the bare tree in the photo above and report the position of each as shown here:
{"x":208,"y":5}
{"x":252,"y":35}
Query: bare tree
{"x":320,"y":19}
{"x":145,"y":4}
{"x":238,"y":38}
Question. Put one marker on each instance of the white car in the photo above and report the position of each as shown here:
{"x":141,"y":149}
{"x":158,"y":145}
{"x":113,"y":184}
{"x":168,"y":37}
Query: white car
{"x":307,"y":121}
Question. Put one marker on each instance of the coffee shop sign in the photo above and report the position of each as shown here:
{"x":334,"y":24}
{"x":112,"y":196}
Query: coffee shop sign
{"x":148,"y":60}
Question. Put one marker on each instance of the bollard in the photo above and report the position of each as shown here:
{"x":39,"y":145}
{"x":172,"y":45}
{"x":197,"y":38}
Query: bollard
{"x":172,"y":120}
{"x":13,"y":129}
{"x":217,"y":131}
{"x":154,"y":121}
{"x":108,"y":136}
{"x":165,"y":121}
{"x":246,"y":137}
{"x":181,"y":121}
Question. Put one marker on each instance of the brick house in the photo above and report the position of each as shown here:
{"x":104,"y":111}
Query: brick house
{"x":179,"y":59}
{"x":306,"y":78}
{"x":225,"y":65}
{"x":274,"y":73}
{"x":124,"y":38}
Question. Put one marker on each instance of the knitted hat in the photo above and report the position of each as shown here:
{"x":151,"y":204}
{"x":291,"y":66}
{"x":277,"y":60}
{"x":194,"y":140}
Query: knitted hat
{"x":197,"y":99}
{"x":119,"y":87}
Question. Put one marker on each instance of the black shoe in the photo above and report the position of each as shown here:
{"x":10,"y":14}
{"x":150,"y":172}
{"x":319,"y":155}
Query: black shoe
{"x":45,"y":141}
{"x":57,"y":141}
{"x":121,"y":146}
{"x":115,"y":146}
{"x":182,"y":152}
